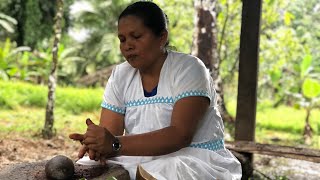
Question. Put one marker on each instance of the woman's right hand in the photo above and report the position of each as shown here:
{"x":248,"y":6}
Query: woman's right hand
{"x":84,"y":148}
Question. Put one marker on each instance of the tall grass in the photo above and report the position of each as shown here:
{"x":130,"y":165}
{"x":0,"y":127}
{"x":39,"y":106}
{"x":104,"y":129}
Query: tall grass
{"x":75,"y":100}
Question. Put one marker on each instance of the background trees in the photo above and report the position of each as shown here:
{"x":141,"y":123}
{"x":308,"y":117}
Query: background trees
{"x":289,"y":44}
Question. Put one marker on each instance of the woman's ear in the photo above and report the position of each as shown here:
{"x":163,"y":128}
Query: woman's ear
{"x":164,"y":38}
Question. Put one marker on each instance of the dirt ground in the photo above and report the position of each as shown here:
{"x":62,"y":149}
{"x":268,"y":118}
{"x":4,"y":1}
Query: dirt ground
{"x":15,"y":150}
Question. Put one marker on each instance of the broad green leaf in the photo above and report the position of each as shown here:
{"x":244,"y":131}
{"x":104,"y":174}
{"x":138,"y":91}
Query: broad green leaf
{"x":311,"y":88}
{"x":12,"y":71}
{"x":7,"y":26}
{"x":8,"y":18}
{"x":287,"y":18}
{"x":305,"y":64}
{"x":275,"y":75}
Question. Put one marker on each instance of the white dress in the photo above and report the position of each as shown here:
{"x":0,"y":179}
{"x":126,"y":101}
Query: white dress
{"x":181,"y":76}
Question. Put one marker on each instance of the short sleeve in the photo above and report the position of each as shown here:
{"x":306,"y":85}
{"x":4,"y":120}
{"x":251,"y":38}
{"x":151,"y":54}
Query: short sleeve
{"x":112,"y":97}
{"x":192,"y":79}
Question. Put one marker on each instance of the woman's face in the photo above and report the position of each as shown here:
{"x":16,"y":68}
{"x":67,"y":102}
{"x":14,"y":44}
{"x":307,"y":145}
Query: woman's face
{"x":138,"y":44}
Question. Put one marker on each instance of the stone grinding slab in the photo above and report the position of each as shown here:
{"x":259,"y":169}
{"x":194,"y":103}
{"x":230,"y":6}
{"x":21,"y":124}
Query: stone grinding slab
{"x":36,"y":171}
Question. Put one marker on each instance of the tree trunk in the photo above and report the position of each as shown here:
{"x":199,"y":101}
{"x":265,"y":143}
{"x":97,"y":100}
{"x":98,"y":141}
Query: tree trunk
{"x":205,"y":47}
{"x":47,"y":131}
{"x":307,"y":133}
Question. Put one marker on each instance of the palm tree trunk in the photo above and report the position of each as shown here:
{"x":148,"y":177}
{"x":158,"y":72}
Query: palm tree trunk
{"x":205,"y":46}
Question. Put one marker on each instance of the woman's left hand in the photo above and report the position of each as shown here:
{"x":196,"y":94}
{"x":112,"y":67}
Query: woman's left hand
{"x":99,"y":139}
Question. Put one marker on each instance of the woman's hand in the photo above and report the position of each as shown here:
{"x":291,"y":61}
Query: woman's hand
{"x":84,"y":148}
{"x":98,"y":139}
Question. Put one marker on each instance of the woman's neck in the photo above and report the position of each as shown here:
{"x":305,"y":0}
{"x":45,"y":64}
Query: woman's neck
{"x":150,"y":77}
{"x":155,"y":68}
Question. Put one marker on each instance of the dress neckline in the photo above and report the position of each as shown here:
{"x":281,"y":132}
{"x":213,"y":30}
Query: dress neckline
{"x":158,"y":86}
{"x":152,"y":93}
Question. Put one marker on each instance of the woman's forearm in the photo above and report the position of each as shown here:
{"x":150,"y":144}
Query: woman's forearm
{"x":160,"y":142}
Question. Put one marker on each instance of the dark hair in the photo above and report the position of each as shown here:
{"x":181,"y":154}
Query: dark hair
{"x":151,"y":14}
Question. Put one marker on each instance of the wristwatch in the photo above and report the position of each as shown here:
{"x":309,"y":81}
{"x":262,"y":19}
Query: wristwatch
{"x":116,"y":145}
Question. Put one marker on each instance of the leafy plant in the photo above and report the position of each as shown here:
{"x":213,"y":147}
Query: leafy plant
{"x":309,"y":97}
{"x":7,"y":23}
{"x":13,"y":60}
{"x":100,"y":49}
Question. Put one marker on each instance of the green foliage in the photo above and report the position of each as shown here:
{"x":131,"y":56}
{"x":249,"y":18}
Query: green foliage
{"x":309,"y":97}
{"x":79,"y":100}
{"x":229,"y":25}
{"x":180,"y":14}
{"x":7,"y":23}
{"x":101,"y":49}
{"x":13,"y":60}
{"x":305,"y":66}
{"x":282,"y":119}
{"x":311,"y":88}
{"x":68,"y":64}
{"x":33,"y":19}
{"x":19,"y":63}
{"x":288,"y":49}
{"x":282,"y":125}
{"x":15,"y":94}
{"x":71,"y":100}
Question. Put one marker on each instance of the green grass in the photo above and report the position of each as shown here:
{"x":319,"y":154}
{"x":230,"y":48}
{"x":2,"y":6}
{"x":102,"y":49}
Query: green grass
{"x":29,"y":121}
{"x":282,"y":125}
{"x":282,"y":118}
{"x":23,"y":108}
{"x":13,"y":95}
{"x":287,"y":119}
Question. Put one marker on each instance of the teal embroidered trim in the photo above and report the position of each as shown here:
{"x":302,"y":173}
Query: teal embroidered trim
{"x":113,"y":108}
{"x":166,"y":100}
{"x":192,"y":93}
{"x":213,"y":145}
{"x":155,"y":100}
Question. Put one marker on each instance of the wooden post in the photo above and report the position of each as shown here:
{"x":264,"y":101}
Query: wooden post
{"x":248,"y":75}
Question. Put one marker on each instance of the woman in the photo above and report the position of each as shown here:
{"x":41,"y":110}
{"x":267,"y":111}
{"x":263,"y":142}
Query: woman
{"x":159,"y":108}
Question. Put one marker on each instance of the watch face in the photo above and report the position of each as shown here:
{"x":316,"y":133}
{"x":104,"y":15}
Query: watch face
{"x":116,"y":145}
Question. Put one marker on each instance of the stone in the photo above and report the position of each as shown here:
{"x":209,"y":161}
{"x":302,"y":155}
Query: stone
{"x":59,"y":168}
{"x":36,"y":171}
